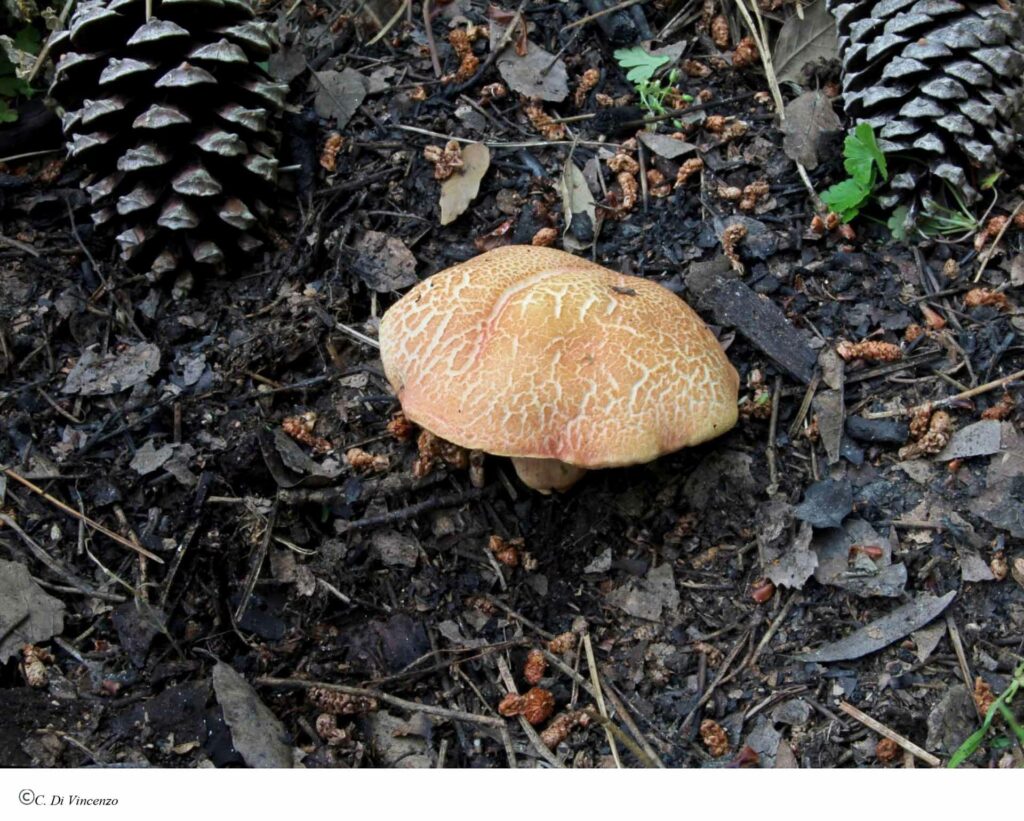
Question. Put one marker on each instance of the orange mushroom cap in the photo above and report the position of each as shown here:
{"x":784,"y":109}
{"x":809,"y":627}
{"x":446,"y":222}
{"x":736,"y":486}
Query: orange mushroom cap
{"x":532,"y":352}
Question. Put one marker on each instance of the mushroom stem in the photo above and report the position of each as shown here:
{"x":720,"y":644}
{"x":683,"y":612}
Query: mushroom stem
{"x":545,"y":475}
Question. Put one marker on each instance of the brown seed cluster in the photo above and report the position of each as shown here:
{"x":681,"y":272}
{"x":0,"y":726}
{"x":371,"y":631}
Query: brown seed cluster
{"x":753,"y":193}
{"x":932,"y":440}
{"x":506,"y":552}
{"x":1001,"y":409}
{"x":542,"y":121}
{"x":493,"y":91}
{"x":977,"y":297}
{"x":719,"y":31}
{"x":327,"y":728}
{"x":563,"y":724}
{"x":999,"y":566}
{"x":340,"y":704}
{"x":714,"y":738}
{"x":692,"y":166}
{"x":732,"y":236}
{"x":696,"y":69}
{"x":562,"y":643}
{"x":401,"y":428}
{"x":33,"y":665}
{"x":887,"y":751}
{"x":993,"y":228}
{"x":745,"y":54}
{"x":545,"y":237}
{"x":434,"y":451}
{"x":446,"y":161}
{"x":329,"y":153}
{"x":657,"y":184}
{"x":300,"y":428}
{"x":872,"y":350}
{"x":536,"y":706}
{"x":588,"y":80}
{"x":984,"y":698}
{"x":535,"y":667}
{"x":462,"y":45}
{"x":726,"y":128}
{"x":366,"y":462}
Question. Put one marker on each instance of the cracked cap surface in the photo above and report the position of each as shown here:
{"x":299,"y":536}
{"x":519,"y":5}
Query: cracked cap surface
{"x":534,"y":352}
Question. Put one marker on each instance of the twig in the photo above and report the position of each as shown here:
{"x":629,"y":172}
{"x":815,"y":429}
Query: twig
{"x":410,"y":512}
{"x":961,"y":657}
{"x":358,"y":335}
{"x":949,"y":400}
{"x":773,"y":425}
{"x":598,"y":14}
{"x":390,"y":23}
{"x":881,"y":729}
{"x":81,"y":585}
{"x":394,"y":701}
{"x":121,"y":540}
{"x":774,"y":626}
{"x":429,"y":30}
{"x":589,"y":649}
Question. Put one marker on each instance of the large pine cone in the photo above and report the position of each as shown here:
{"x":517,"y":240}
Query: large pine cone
{"x":937,"y":78}
{"x":171,"y":117}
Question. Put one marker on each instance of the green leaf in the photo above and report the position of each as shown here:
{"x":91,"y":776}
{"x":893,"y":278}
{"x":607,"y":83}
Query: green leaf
{"x":28,"y":40}
{"x":7,"y":115}
{"x":641,"y":64}
{"x":862,"y":155}
{"x":898,"y":223}
{"x":846,"y":198}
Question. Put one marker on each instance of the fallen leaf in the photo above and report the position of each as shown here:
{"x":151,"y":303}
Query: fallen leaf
{"x":577,"y":204}
{"x":385,"y":263}
{"x":826,"y":503}
{"x":650,"y":597}
{"x":27,"y":613}
{"x":809,"y":119}
{"x":460,"y":189}
{"x":257,"y":734}
{"x":665,"y":146}
{"x":860,"y":575}
{"x":804,"y":40}
{"x":980,"y":439}
{"x":538,"y":74}
{"x":149,"y":458}
{"x":884,"y":631}
{"x":96,"y":374}
{"x":338,"y":94}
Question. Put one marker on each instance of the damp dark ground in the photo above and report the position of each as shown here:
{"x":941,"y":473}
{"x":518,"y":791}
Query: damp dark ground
{"x":757,"y":601}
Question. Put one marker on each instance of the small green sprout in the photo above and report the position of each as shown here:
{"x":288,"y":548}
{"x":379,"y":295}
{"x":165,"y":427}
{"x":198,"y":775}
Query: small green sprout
{"x":1001,"y":707}
{"x":865,"y":163}
{"x":641,"y":67}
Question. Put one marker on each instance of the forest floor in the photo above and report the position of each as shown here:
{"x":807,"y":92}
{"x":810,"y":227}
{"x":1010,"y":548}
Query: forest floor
{"x":803,"y":591}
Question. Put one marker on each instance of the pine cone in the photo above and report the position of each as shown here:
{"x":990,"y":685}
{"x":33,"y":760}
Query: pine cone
{"x":171,"y":117}
{"x":938,"y":79}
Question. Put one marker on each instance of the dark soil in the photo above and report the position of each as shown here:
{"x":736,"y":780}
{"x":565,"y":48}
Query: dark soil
{"x":282,"y":561}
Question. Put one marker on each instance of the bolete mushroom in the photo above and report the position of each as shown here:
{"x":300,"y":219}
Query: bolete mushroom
{"x":557,"y":362}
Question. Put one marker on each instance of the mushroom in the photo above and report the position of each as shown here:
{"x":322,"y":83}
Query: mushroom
{"x":557,"y":362}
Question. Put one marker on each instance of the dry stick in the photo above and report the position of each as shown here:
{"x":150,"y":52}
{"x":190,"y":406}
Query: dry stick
{"x":121,"y":540}
{"x":390,"y":23}
{"x":719,"y":678}
{"x":394,"y":701}
{"x":598,"y":14}
{"x":79,"y":584}
{"x":949,"y":400}
{"x":589,"y":649}
{"x":881,"y":729}
{"x":773,"y":426}
{"x":358,"y":336}
{"x":961,"y":657}
{"x":429,"y":31}
{"x":774,"y":626}
{"x":990,"y":251}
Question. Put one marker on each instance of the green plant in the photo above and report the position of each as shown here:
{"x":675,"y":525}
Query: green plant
{"x":1001,"y":706}
{"x":25,"y":41}
{"x":938,"y":220}
{"x":641,"y":67}
{"x":865,"y":163}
